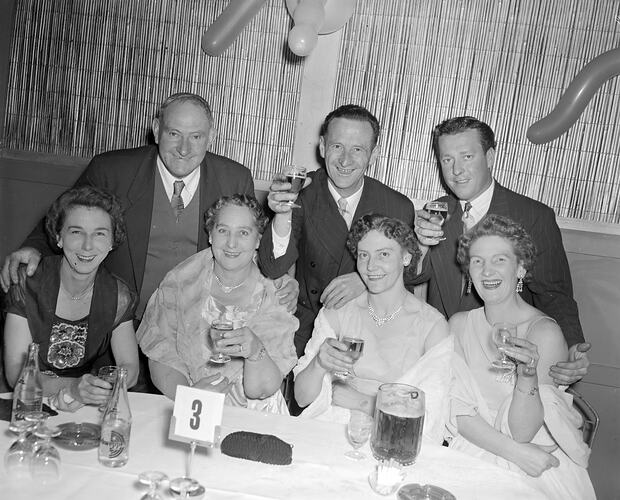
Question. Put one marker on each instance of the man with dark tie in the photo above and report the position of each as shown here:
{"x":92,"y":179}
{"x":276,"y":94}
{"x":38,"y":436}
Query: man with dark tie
{"x":312,"y":239}
{"x":465,"y":150}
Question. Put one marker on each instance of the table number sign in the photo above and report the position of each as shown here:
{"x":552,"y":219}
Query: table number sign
{"x":197,"y":415}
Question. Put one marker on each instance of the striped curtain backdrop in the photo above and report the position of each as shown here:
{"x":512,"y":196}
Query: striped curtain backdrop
{"x":88,"y":76}
{"x":415,"y":63}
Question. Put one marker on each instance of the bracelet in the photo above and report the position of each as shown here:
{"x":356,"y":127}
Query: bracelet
{"x":259,"y":356}
{"x":531,"y":392}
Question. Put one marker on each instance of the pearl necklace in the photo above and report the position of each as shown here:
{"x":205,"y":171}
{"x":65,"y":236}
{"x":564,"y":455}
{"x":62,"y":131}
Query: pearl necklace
{"x":380,"y":321}
{"x":80,"y":295}
{"x":228,"y":289}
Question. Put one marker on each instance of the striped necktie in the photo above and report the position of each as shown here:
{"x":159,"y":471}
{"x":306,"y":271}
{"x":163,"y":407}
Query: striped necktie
{"x":342,"y":208}
{"x":176,"y":201}
{"x":468,"y":220}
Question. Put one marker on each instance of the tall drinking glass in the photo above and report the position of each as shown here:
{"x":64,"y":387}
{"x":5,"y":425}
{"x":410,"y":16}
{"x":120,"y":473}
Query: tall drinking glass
{"x":399,"y":421}
{"x":218,"y":328}
{"x":107,"y":373}
{"x":502,"y":335}
{"x":295,"y":176}
{"x":439,"y":213}
{"x":355,"y":349}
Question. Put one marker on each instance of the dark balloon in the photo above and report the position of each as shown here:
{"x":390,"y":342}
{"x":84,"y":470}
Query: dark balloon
{"x":576,"y":98}
{"x":226,"y":28}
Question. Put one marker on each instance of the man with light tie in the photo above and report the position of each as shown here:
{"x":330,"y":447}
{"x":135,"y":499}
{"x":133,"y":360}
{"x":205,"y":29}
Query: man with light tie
{"x":312,"y":238}
{"x":465,"y":150}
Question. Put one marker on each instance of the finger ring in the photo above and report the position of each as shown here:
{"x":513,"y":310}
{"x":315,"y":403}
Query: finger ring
{"x":240,"y":347}
{"x":530,"y":363}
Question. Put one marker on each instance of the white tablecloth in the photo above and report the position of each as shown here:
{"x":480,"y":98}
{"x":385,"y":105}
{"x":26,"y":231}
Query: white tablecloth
{"x":319,"y":469}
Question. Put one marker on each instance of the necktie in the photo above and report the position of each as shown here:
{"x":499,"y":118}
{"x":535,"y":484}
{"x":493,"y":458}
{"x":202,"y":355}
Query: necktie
{"x":176,"y":201}
{"x":468,"y":223}
{"x":468,"y":220}
{"x":342,"y":207}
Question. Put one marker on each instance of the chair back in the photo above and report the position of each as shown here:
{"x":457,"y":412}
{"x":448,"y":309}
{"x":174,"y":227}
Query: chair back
{"x":589,"y":414}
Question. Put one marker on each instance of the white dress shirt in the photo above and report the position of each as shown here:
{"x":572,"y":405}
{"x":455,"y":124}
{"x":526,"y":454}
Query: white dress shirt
{"x":191,"y":182}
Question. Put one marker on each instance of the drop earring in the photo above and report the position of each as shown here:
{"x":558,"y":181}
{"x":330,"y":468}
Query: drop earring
{"x":468,"y":290}
{"x":520,"y":285}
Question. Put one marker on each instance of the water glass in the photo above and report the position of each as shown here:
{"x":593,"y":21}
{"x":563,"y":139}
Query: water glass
{"x":107,"y":373}
{"x":45,"y":464}
{"x":217,"y":330}
{"x":358,"y":432}
{"x":19,"y":455}
{"x":152,"y":479}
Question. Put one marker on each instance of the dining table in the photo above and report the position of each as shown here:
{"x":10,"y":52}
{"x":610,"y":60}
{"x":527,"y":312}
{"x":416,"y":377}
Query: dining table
{"x":319,"y":468}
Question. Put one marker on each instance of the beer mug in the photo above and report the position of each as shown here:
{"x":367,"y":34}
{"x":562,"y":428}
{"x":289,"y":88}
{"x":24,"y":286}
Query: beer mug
{"x":399,"y":421}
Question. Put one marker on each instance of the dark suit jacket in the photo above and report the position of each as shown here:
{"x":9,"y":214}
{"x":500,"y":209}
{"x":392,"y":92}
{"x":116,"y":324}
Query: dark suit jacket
{"x":318,"y":242}
{"x":549,"y":288}
{"x":130,"y":175}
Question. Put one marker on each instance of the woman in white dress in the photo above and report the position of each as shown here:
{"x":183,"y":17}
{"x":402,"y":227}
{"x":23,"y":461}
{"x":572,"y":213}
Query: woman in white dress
{"x":513,"y":417}
{"x":396,"y":326}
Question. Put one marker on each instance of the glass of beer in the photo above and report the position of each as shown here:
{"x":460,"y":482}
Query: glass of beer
{"x":399,"y":421}
{"x":295,"y":176}
{"x":355,"y":348}
{"x":439,"y":213}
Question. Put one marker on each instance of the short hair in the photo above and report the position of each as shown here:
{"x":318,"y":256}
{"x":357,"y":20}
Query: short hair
{"x":182,"y":97}
{"x":460,"y":124}
{"x":352,"y":112}
{"x":90,"y":197}
{"x":498,"y":225}
{"x":237,"y":200}
{"x":391,"y":228}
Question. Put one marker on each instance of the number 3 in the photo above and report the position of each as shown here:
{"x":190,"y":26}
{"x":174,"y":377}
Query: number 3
{"x":194,"y":422}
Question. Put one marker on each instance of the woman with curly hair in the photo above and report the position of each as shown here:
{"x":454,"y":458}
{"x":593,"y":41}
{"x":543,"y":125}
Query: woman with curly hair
{"x":222,"y":282}
{"x":396,"y":326}
{"x":72,"y":307}
{"x":512,"y":415}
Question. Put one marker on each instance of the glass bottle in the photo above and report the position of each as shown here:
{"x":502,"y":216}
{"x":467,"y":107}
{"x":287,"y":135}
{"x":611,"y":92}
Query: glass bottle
{"x":28,"y":392}
{"x":116,"y":425}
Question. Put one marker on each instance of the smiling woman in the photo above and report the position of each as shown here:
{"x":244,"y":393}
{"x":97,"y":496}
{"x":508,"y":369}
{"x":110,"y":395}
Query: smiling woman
{"x":216,"y":323}
{"x":71,"y":306}
{"x":396,"y":328}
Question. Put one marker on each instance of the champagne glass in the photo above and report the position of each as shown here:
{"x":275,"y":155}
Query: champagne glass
{"x":358,"y":431}
{"x":107,"y":373}
{"x":355,"y":348}
{"x":296,"y":176}
{"x":45,"y":465}
{"x":439,"y":213}
{"x":19,"y":455}
{"x":217,"y":330}
{"x":502,"y":334}
{"x":152,"y":479}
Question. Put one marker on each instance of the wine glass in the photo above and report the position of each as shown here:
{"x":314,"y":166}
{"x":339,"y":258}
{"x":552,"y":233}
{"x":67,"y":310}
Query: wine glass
{"x":36,"y":418}
{"x":152,"y":479}
{"x":355,"y":348}
{"x":217,"y":330}
{"x":45,"y":464}
{"x":502,"y":334}
{"x":358,"y":431}
{"x":439,"y":213}
{"x":296,"y":176}
{"x":107,"y":373}
{"x":19,"y":455}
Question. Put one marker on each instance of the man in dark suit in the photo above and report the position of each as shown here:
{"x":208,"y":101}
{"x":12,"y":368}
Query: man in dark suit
{"x":465,"y":151}
{"x":312,"y":238}
{"x":163,"y":227}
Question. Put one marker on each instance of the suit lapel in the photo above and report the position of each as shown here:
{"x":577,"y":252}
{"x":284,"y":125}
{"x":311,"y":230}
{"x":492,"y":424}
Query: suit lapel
{"x":326,"y":222}
{"x":138,"y":214}
{"x":209,"y":188}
